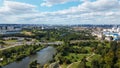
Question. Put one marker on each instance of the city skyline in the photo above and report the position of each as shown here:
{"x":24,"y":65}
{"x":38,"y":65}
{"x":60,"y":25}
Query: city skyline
{"x":59,"y":11}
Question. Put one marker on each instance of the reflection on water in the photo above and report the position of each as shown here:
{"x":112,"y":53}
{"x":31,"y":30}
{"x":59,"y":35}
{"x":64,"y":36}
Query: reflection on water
{"x":42,"y":57}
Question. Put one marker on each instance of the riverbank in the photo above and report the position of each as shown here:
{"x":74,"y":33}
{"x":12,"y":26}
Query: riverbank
{"x":42,"y":57}
{"x":17,"y":53}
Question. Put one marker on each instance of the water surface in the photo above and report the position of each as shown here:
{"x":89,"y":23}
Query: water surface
{"x":43,"y":56}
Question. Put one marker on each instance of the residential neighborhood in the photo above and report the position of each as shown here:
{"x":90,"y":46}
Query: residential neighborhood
{"x":108,"y":33}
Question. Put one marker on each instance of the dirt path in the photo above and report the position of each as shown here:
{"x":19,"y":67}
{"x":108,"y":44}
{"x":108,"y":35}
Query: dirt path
{"x":80,"y":61}
{"x":72,"y":64}
{"x":55,"y":64}
{"x":90,"y":56}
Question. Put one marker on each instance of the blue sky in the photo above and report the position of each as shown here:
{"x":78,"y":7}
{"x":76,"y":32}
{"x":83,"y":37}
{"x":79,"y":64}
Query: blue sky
{"x":1,"y":2}
{"x":59,"y":11}
{"x":49,"y":9}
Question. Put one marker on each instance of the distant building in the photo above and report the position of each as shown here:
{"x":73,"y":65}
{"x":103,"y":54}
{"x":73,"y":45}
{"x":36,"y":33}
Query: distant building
{"x":79,"y":28}
{"x":109,"y":34}
{"x":1,"y":59}
{"x":98,"y":34}
{"x":114,"y":33}
{"x":108,"y":38}
{"x":42,"y":28}
{"x":9,"y":30}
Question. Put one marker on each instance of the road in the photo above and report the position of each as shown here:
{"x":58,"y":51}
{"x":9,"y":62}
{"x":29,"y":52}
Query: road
{"x":13,"y":44}
{"x":76,"y":41}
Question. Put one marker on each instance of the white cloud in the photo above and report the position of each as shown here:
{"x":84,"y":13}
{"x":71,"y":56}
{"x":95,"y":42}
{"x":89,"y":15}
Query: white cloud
{"x":99,"y":5}
{"x":11,"y":7}
{"x":100,"y":11}
{"x":50,"y":3}
{"x":102,"y":5}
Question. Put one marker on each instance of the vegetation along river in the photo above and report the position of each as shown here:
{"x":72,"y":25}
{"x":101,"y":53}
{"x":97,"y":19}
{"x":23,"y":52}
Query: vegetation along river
{"x":43,"y":56}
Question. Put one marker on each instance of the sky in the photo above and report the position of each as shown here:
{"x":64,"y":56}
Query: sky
{"x":59,"y":11}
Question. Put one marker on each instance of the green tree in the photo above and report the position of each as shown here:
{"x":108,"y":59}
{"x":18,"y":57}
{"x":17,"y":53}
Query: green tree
{"x":82,"y":63}
{"x":95,"y":64}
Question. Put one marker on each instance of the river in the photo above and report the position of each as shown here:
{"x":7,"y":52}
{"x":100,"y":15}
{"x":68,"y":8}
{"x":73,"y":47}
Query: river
{"x":43,"y":56}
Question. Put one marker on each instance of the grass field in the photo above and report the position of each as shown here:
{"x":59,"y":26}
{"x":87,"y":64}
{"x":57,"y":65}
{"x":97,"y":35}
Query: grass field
{"x":76,"y":57}
{"x":95,"y":57}
{"x":75,"y":64}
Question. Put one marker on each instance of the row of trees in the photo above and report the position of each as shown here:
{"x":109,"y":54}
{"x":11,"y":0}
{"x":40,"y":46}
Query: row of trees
{"x":62,"y":34}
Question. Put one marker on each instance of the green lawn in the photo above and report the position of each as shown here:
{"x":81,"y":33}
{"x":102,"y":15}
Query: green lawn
{"x":75,"y":65}
{"x":64,"y":65}
{"x":95,"y":57}
{"x":76,"y":57}
{"x":11,"y":41}
{"x":88,"y":49}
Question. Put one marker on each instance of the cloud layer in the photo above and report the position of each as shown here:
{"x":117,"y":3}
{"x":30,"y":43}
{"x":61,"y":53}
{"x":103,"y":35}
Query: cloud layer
{"x":96,"y":12}
{"x":50,"y":3}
